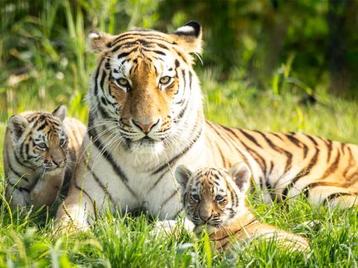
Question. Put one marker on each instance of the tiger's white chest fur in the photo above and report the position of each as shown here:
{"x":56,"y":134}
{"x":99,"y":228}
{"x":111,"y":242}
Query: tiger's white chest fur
{"x":146,"y":183}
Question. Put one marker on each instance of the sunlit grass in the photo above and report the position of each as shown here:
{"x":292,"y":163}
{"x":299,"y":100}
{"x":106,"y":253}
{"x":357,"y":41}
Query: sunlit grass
{"x":120,"y":241}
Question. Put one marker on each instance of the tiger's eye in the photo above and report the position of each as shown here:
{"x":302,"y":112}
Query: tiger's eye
{"x":42,"y":145}
{"x":195,"y":197}
{"x":219,"y":198}
{"x":165,"y":80}
{"x":62,"y":142}
{"x":122,"y":82}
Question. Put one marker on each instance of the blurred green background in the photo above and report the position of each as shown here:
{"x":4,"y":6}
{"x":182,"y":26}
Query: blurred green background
{"x":272,"y":65}
{"x":300,"y":46}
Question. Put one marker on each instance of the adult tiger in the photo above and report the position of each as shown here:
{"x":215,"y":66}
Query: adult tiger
{"x":146,"y":117}
{"x":40,"y":151}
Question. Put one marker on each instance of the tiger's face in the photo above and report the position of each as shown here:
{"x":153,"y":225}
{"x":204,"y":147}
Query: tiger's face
{"x":39,"y":139}
{"x":143,"y":82}
{"x":214,"y":196}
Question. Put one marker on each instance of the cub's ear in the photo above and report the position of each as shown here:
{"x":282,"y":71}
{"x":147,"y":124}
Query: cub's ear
{"x":189,"y":36}
{"x":182,"y":175}
{"x":241,"y":175}
{"x":17,"y":125}
{"x":99,"y":41}
{"x":60,"y":112}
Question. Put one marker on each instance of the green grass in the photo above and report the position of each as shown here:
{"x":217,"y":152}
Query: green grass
{"x":123,"y":240}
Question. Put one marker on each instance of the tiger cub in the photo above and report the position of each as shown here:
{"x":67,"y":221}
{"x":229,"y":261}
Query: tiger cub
{"x":40,"y":151}
{"x":216,"y":198}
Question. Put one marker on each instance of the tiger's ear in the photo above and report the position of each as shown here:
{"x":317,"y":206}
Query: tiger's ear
{"x":60,"y":112}
{"x":241,"y":175}
{"x":17,"y":125}
{"x":189,"y":36}
{"x":99,"y":41}
{"x":182,"y":175}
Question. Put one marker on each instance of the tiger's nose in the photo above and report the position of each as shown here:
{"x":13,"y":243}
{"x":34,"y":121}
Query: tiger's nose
{"x":145,"y":127}
{"x":205,"y":217}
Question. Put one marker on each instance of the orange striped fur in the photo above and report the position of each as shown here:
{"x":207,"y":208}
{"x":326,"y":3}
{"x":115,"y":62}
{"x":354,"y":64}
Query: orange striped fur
{"x":40,"y":154}
{"x":216,"y":199}
{"x":146,"y":117}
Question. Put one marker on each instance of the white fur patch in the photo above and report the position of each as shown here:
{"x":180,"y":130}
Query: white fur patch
{"x":185,"y":29}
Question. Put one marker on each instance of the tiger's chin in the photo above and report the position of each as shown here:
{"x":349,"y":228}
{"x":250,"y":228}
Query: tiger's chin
{"x":145,"y":146}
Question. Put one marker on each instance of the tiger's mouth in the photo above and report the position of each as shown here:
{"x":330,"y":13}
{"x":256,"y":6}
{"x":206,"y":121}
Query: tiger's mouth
{"x":144,"y":145}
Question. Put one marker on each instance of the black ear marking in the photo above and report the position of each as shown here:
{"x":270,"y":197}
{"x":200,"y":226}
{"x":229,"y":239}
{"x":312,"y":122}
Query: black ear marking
{"x":192,"y":28}
{"x":60,"y":112}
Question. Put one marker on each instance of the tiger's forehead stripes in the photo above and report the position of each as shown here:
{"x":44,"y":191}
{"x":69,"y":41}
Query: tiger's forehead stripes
{"x":215,"y":179}
{"x":149,"y":43}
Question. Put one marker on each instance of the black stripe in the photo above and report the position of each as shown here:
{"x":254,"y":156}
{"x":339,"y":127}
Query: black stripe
{"x":236,"y":231}
{"x":149,"y":38}
{"x":333,"y":167}
{"x":171,"y":162}
{"x":108,"y":156}
{"x":24,"y":162}
{"x":84,"y":191}
{"x":18,"y":187}
{"x":311,"y":139}
{"x":298,"y":143}
{"x":305,"y":171}
{"x":280,"y":150}
{"x":13,"y":170}
{"x":329,"y":150}
{"x":169,"y":198}
{"x":157,"y":181}
{"x":96,"y":77}
{"x":125,"y":54}
{"x":41,"y":127}
{"x":337,"y":195}
{"x":250,"y":137}
{"x":154,"y":51}
{"x":229,"y":140}
{"x":99,"y":182}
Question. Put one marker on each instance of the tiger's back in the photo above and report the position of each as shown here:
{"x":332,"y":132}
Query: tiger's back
{"x":40,"y":154}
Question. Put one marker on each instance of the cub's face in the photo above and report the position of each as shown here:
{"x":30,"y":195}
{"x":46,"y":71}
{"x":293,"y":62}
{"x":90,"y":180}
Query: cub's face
{"x":213,"y":196}
{"x":39,"y":139}
{"x":143,"y":81}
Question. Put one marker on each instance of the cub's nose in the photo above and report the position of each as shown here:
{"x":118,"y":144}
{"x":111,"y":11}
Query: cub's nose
{"x":145,"y":127}
{"x":205,"y":217}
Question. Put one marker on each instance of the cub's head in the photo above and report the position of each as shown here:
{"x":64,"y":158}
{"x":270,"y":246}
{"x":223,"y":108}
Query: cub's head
{"x":144,"y":86}
{"x":39,"y":139}
{"x":213,"y":196}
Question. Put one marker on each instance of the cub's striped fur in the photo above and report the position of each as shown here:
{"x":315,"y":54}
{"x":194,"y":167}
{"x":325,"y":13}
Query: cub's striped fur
{"x":40,"y":153}
{"x":216,"y":198}
{"x":146,"y":117}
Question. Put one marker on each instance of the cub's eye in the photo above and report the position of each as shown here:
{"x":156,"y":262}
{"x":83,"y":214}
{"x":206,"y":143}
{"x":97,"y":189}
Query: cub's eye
{"x":165,"y":80}
{"x":42,"y":145}
{"x":63,"y":142}
{"x":195,"y":197}
{"x":122,"y":82}
{"x":219,"y":198}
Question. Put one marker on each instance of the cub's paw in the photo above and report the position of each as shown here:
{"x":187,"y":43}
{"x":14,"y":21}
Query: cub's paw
{"x":166,"y":227}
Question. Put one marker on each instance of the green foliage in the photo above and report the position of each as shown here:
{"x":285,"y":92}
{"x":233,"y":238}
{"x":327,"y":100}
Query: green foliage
{"x":262,"y":58}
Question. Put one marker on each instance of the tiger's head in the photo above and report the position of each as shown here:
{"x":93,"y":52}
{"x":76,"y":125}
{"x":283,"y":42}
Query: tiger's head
{"x":39,"y":139}
{"x":144,"y":87}
{"x":214,"y":196}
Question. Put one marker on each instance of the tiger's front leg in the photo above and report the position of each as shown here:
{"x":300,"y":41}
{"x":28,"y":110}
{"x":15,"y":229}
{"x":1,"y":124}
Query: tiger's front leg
{"x":47,"y":188}
{"x":78,"y":208}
